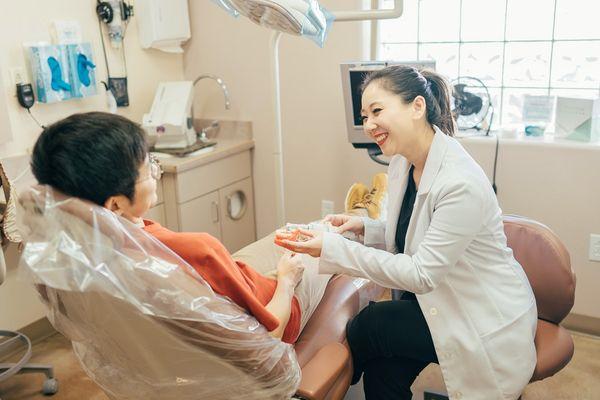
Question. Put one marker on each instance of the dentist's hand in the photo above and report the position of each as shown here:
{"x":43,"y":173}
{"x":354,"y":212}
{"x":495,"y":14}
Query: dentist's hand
{"x":308,"y":242}
{"x":346,"y":223}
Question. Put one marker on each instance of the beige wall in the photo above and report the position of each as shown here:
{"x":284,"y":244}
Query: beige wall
{"x":553,"y":184}
{"x":29,"y":21}
{"x":318,"y":161}
{"x":558,"y":185}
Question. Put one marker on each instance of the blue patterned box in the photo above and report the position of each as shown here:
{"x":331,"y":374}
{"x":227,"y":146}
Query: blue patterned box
{"x":50,"y":72}
{"x":82,"y":70}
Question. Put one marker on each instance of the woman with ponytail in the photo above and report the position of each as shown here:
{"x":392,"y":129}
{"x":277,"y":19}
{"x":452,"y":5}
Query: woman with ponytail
{"x":467,"y":304}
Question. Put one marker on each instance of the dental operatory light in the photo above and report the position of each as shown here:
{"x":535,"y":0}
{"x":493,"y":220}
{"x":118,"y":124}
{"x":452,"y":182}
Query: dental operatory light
{"x":295,"y":17}
{"x":300,"y":18}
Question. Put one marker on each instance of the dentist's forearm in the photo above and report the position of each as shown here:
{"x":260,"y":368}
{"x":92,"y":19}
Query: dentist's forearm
{"x":281,"y":306}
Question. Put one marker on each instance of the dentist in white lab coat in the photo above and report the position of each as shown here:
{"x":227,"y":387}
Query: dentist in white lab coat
{"x":473,"y":310}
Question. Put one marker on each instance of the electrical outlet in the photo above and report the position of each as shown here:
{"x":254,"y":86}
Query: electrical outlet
{"x":326,"y":207}
{"x":594,"y":247}
{"x":17,"y":74}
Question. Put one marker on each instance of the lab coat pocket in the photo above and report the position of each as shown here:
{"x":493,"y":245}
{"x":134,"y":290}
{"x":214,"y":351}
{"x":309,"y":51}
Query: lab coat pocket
{"x":511,"y":351}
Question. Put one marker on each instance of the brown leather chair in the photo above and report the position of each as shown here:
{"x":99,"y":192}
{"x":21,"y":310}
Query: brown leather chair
{"x":547,"y":263}
{"x":321,"y":348}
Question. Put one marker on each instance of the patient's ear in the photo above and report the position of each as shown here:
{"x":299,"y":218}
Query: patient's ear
{"x":117,"y":204}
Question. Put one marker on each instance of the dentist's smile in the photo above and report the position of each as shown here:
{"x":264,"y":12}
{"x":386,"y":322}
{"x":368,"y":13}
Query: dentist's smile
{"x":380,"y":138}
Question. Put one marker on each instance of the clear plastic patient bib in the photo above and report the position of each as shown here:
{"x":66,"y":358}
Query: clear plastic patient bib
{"x":143,"y":323}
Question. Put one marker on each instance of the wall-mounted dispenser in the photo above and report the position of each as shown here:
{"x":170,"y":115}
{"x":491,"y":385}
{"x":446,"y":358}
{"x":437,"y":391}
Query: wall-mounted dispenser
{"x":163,"y":24}
{"x":49,"y":70}
{"x":82,"y":70}
{"x":62,"y":72}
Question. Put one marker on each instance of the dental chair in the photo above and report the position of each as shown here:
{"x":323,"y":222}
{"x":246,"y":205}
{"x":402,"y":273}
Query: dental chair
{"x":142,"y":328}
{"x":546,"y":261}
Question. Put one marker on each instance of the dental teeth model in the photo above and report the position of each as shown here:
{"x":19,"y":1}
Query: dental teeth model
{"x":313,"y":226}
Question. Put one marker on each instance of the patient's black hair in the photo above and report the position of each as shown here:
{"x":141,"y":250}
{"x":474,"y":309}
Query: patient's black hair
{"x":91,"y":155}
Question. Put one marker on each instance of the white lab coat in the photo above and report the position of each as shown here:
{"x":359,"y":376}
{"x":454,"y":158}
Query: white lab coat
{"x":475,"y":296}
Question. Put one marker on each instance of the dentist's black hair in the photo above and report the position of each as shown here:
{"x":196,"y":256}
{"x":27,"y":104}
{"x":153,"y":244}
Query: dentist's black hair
{"x":409,"y":82}
{"x":92,"y":156}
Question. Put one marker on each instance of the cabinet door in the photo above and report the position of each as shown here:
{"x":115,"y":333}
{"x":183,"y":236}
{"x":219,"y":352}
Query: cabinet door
{"x":237,"y":215}
{"x":201,"y":215}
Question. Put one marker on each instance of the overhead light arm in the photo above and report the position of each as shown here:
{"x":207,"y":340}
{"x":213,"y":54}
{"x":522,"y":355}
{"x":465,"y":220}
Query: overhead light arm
{"x":340,"y":16}
{"x":394,"y":12}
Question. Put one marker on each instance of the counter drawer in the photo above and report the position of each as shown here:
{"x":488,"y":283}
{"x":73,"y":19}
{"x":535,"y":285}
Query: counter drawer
{"x":208,"y":178}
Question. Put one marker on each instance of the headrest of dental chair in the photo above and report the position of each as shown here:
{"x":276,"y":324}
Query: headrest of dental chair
{"x":144,"y":324}
{"x":42,"y":202}
{"x":546,"y":262}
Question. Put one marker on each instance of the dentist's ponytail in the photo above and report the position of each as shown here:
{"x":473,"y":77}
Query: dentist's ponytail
{"x":440,"y":113}
{"x":408,"y":83}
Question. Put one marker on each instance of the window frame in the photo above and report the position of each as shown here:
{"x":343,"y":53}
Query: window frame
{"x":377,"y":45}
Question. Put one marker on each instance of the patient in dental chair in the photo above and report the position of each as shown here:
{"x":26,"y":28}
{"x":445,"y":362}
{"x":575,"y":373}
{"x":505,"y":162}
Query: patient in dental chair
{"x":103,"y":158}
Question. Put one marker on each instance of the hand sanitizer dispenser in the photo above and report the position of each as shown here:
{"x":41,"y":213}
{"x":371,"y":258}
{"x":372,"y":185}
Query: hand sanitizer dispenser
{"x":163,"y":24}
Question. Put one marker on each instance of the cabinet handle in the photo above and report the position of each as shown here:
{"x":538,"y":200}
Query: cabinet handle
{"x":214,"y":211}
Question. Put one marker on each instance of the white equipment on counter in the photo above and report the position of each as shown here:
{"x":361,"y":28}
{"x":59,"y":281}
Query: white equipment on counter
{"x":169,"y":121}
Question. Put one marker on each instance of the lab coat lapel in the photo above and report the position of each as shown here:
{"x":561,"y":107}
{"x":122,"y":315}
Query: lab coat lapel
{"x":436,"y":155}
{"x":397,"y":182}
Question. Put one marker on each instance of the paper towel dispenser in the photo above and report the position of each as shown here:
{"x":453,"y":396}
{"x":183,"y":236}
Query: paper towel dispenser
{"x":163,"y":24}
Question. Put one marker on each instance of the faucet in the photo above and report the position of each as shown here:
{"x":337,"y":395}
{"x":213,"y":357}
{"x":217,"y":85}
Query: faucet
{"x":220,"y":82}
{"x":214,"y":124}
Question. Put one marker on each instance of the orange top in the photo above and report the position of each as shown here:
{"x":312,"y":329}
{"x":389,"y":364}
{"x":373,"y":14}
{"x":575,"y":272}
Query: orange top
{"x":234,"y":279}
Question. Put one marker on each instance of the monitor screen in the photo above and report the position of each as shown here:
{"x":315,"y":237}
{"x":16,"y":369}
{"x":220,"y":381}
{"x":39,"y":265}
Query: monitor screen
{"x":356,"y":79}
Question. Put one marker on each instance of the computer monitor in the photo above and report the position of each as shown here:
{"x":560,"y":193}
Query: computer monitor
{"x":353,"y":74}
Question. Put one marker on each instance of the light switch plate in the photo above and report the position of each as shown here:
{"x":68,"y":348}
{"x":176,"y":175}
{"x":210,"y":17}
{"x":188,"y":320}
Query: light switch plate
{"x":326,"y":207}
{"x":594,"y":247}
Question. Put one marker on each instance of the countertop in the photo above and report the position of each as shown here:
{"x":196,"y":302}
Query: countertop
{"x":522,"y":140}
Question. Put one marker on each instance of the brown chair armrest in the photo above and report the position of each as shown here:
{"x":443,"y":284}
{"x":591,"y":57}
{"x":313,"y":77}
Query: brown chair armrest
{"x":320,"y":373}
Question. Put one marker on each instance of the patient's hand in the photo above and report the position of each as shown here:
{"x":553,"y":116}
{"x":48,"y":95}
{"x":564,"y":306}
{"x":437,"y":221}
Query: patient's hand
{"x":290,"y":269}
{"x":346,"y":223}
